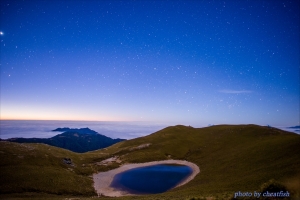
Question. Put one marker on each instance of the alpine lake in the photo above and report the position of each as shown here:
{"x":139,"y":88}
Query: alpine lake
{"x":151,"y":179}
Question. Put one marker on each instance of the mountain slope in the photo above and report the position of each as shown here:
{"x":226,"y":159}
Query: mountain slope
{"x":41,"y":168}
{"x":77,"y":140}
{"x":231,"y":158}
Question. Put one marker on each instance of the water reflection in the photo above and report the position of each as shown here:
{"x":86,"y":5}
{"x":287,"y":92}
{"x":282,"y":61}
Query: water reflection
{"x":152,"y":179}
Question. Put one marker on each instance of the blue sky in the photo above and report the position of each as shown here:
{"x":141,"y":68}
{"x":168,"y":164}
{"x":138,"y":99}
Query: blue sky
{"x":186,"y":62}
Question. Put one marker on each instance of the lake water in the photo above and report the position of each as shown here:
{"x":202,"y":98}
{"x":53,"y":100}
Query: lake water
{"x":152,"y":179}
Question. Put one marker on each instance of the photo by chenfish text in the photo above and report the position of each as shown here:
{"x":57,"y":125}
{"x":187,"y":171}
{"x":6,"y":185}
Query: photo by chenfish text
{"x":259,"y":194}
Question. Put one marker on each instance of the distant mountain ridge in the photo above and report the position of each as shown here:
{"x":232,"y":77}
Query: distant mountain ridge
{"x":78,"y":130}
{"x":77,"y":140}
{"x":294,"y":127}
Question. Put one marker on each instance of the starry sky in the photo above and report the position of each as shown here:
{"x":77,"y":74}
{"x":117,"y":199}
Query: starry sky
{"x":186,"y":62}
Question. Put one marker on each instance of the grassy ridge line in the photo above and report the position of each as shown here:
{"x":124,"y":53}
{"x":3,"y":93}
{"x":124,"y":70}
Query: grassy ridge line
{"x":230,"y":158}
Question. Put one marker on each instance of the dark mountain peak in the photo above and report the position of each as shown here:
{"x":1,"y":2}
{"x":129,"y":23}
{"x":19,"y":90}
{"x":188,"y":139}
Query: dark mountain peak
{"x":77,"y":130}
{"x":62,"y":129}
{"x":294,"y":127}
{"x":77,"y":140}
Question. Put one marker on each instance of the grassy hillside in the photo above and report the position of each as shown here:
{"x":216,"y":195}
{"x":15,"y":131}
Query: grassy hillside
{"x":231,"y":158}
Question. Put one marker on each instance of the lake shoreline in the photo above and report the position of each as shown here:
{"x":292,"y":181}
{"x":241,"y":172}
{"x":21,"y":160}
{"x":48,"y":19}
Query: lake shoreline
{"x":103,"y":180}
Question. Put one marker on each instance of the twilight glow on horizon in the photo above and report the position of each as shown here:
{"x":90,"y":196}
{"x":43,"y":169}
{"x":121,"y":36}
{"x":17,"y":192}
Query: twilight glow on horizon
{"x":186,"y":62}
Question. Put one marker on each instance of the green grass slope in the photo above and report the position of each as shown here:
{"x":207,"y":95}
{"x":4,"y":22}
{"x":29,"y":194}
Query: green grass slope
{"x":231,"y":158}
{"x":41,"y":168}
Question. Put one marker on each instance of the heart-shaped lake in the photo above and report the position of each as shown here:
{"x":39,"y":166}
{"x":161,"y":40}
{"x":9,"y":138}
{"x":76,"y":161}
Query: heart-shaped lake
{"x":151,"y":179}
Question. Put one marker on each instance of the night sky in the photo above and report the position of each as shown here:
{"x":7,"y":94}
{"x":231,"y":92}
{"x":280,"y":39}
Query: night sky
{"x":186,"y":62}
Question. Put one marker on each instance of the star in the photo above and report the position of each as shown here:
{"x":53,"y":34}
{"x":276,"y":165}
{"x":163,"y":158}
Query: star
{"x":166,"y":59}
